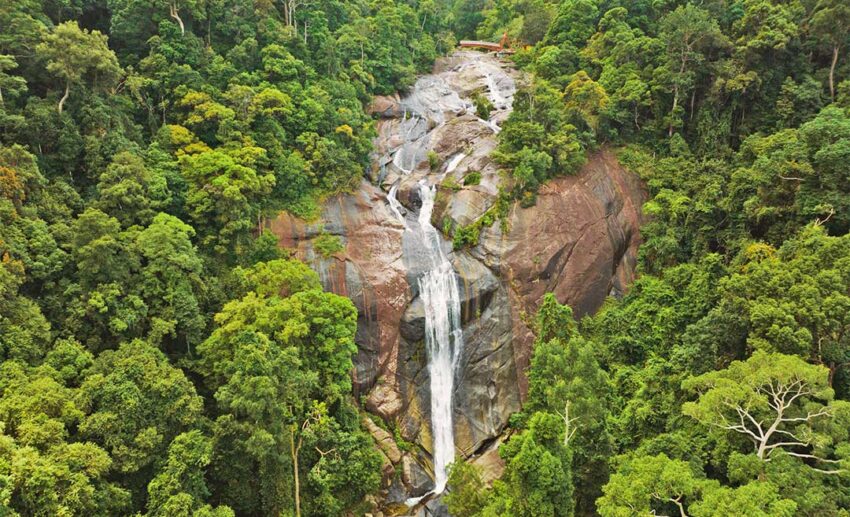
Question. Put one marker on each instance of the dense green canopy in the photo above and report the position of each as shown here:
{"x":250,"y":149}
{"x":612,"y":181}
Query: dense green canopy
{"x":159,"y":355}
{"x":719,"y":385}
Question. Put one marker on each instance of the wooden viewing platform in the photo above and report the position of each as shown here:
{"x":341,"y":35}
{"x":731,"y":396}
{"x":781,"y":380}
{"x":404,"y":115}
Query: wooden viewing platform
{"x":501,"y":46}
{"x":489,"y":45}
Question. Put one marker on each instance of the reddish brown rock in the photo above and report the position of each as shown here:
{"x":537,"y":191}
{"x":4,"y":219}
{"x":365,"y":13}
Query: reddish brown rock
{"x":579,"y":242}
{"x":491,"y":464}
{"x":370,"y":271}
{"x":383,"y":438}
{"x":386,"y":106}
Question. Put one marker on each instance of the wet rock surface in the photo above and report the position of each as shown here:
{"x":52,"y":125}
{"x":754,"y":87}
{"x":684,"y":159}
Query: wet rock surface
{"x":579,"y":241}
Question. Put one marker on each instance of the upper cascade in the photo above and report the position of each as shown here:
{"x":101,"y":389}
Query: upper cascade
{"x":418,"y":123}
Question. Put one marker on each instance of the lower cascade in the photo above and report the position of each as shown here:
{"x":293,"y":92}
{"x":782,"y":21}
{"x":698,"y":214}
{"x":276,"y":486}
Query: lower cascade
{"x":438,"y":288}
{"x":443,"y":337}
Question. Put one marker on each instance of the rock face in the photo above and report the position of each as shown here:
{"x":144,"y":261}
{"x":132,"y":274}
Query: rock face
{"x":579,"y":241}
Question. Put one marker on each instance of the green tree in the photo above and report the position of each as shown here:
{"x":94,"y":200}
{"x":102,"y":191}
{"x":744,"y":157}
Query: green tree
{"x":649,"y":484}
{"x":11,"y":84}
{"x":466,"y":496}
{"x":792,"y":300}
{"x":537,"y":481}
{"x":76,"y":55}
{"x":574,"y":23}
{"x":225,"y":188}
{"x":279,"y":368}
{"x":830,"y":22}
{"x":585,"y":99}
{"x":652,"y":484}
{"x":691,"y":33}
{"x":773,"y":400}
{"x":565,"y":379}
{"x":136,"y":402}
{"x":179,"y":488}
{"x":129,"y":192}
{"x":43,"y":472}
{"x":171,"y":283}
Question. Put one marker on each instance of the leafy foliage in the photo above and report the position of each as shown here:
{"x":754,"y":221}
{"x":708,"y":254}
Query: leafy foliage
{"x":718,"y":383}
{"x":160,"y":355}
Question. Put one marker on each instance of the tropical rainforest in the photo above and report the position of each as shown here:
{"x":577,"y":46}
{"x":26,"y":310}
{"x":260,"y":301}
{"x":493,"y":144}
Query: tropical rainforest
{"x":162,"y":355}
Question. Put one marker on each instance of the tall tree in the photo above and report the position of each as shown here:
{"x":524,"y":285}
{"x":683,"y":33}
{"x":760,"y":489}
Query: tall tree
{"x":537,"y":479}
{"x":76,"y":55}
{"x":690,"y":33}
{"x":565,"y":379}
{"x":11,"y":84}
{"x":775,"y":401}
{"x":830,"y":23}
{"x":279,"y":368}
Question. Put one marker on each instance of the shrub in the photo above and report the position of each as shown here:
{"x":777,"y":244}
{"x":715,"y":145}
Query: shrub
{"x":327,"y":245}
{"x":471,"y":179}
{"x":451,"y":183}
{"x":433,"y":160}
{"x":483,"y":106}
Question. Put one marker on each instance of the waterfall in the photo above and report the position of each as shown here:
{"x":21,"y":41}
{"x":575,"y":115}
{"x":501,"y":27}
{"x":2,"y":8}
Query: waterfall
{"x":496,"y":97}
{"x":436,"y":100}
{"x":438,"y":288}
{"x":450,"y":168}
{"x":395,"y":206}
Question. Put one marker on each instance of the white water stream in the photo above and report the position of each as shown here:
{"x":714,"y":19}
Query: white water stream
{"x":395,"y":206}
{"x":433,"y":101}
{"x":438,"y":288}
{"x":443,"y":337}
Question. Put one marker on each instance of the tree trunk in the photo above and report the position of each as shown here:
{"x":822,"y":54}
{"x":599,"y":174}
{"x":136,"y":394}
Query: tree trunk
{"x":678,"y":502}
{"x":64,"y":97}
{"x":832,"y":72}
{"x":672,"y":111}
{"x":289,"y":13}
{"x":693,"y":102}
{"x":176,"y":16}
{"x":676,"y":97}
{"x":294,"y":451}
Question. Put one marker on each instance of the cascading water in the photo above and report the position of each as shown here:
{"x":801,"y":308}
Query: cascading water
{"x":443,"y":337}
{"x":395,"y":206}
{"x":438,"y":288}
{"x":434,"y":102}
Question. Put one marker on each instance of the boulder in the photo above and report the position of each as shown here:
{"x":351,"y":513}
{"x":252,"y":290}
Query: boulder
{"x":383,"y":438}
{"x":489,"y":462}
{"x":385,"y":106}
{"x":415,"y":476}
{"x":384,"y":401}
